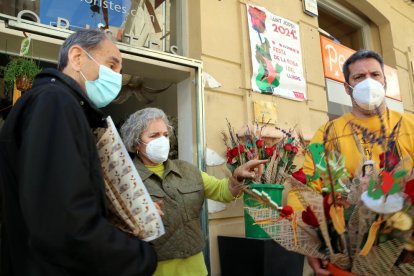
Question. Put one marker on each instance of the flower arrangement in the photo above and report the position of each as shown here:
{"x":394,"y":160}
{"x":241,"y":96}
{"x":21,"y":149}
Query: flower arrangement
{"x":252,"y":145}
{"x":364,"y":225}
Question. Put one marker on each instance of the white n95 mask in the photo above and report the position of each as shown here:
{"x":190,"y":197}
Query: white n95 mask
{"x":157,"y":150}
{"x":368,"y":94}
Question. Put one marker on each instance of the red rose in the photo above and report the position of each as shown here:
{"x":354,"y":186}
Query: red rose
{"x":390,"y":163}
{"x":269,"y":151}
{"x":295,"y":149}
{"x":409,"y":190}
{"x":286,"y":211}
{"x":308,"y":217}
{"x":259,"y":143}
{"x":288,"y":147}
{"x":258,"y":18}
{"x":300,"y":176}
{"x":237,"y":150}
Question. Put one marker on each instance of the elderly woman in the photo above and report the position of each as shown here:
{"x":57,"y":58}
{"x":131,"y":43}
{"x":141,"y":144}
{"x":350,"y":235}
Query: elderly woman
{"x":181,"y":188}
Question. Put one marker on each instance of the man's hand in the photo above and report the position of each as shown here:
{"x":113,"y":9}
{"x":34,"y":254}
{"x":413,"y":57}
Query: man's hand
{"x":318,"y":266}
{"x":249,"y":169}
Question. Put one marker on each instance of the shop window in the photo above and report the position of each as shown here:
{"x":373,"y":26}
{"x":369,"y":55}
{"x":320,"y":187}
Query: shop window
{"x":138,"y":23}
{"x":343,"y":23}
{"x":339,"y":30}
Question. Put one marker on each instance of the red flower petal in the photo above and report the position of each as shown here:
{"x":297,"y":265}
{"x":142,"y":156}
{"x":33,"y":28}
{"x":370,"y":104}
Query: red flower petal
{"x":286,"y":211}
{"x":287,"y":147}
{"x":237,"y":150}
{"x":409,"y":190}
{"x":269,"y":151}
{"x":258,"y":18}
{"x":387,"y":182}
{"x":259,"y":143}
{"x":300,"y":176}
{"x":308,"y":217}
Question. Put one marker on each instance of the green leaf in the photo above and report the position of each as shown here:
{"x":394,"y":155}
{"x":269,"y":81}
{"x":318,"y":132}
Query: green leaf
{"x":399,"y":174}
{"x":383,"y":238}
{"x":394,"y":189}
{"x":374,"y":194}
{"x":25,"y":46}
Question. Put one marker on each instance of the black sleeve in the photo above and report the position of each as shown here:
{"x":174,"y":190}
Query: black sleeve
{"x":62,"y":206}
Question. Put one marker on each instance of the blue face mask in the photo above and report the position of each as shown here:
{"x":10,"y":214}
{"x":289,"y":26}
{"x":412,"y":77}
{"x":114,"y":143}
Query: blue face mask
{"x":103,"y":90}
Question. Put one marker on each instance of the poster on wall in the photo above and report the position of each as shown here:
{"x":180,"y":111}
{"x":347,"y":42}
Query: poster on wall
{"x":276,"y":55}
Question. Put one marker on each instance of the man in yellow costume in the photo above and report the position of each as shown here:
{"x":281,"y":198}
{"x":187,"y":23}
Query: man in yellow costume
{"x":365,"y":83}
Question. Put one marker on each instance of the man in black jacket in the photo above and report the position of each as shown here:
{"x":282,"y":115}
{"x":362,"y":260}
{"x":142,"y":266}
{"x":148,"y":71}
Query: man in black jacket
{"x":52,"y":190}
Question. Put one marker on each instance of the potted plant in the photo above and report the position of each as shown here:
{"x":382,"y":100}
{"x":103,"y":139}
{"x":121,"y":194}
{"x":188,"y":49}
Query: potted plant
{"x":21,"y":71}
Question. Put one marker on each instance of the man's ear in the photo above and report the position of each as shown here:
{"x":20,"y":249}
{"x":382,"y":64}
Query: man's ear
{"x":348,"y":89}
{"x":74,"y":57}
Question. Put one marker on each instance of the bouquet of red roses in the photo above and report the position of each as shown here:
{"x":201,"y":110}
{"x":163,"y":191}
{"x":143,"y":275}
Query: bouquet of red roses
{"x":253,"y":146}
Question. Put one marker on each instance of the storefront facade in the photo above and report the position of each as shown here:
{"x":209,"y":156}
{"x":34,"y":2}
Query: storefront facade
{"x":212,"y":36}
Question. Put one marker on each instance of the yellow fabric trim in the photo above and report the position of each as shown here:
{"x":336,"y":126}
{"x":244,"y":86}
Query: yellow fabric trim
{"x":372,"y":235}
{"x":157,"y":169}
{"x":338,"y":218}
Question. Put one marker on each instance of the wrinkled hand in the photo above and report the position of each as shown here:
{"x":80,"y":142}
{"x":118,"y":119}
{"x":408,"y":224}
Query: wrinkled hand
{"x":249,"y":169}
{"x":318,"y":266}
{"x":158,"y":206}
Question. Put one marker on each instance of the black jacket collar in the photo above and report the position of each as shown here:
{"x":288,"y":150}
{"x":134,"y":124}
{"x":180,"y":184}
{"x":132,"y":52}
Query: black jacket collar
{"x":94,"y":115}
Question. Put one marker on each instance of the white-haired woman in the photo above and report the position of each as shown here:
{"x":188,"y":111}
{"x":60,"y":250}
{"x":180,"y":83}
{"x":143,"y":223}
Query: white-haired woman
{"x":182,"y":189}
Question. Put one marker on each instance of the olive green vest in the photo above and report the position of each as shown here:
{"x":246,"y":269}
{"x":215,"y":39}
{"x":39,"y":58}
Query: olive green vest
{"x":182,"y":192}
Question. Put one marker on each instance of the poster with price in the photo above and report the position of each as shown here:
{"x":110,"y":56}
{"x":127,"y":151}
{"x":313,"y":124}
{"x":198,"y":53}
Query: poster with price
{"x":276,"y":55}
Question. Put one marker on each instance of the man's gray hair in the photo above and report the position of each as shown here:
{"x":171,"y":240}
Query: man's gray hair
{"x":137,"y":123}
{"x":87,"y":39}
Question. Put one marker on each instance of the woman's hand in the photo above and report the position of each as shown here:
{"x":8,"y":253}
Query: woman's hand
{"x":249,"y":170}
{"x":318,"y":266}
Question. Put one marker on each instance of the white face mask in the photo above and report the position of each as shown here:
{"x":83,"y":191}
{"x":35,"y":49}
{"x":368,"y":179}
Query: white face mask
{"x":157,"y":150}
{"x":368,"y":94}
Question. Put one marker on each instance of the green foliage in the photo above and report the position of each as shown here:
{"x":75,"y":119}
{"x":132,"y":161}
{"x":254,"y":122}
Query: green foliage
{"x":19,"y":67}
